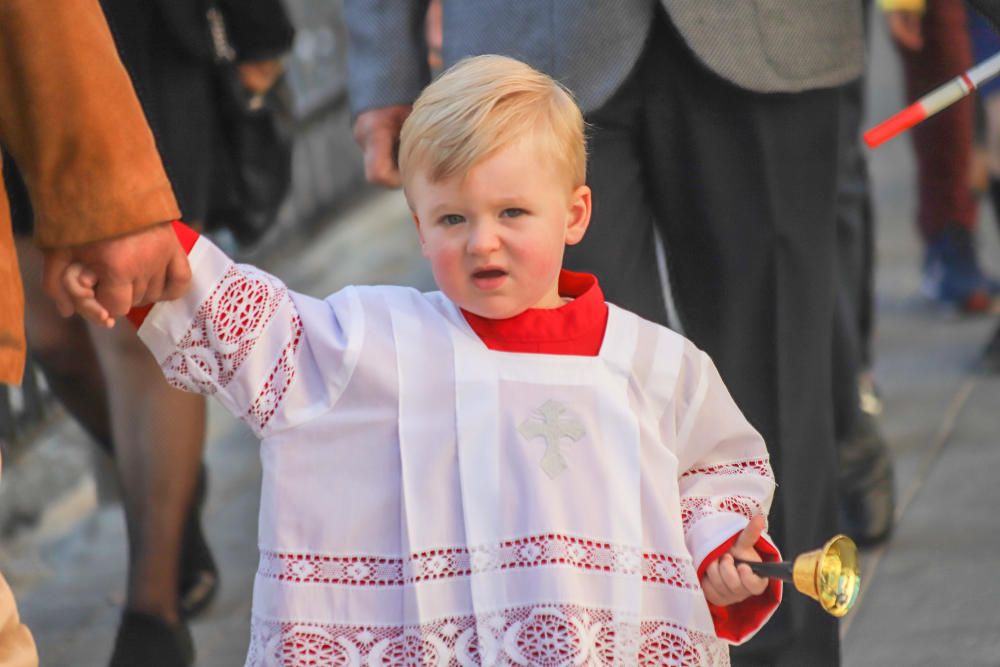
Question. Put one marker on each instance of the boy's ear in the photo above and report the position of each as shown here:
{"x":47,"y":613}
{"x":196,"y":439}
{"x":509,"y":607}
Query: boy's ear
{"x":579,"y":215}
{"x":416,"y":223}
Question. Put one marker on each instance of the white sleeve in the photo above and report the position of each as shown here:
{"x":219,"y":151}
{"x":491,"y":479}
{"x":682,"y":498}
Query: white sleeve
{"x":724,"y":473}
{"x":241,"y":336}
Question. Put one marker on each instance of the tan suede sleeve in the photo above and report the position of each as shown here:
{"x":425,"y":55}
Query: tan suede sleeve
{"x":17,"y":647}
{"x":12,"y":343}
{"x":70,"y":117}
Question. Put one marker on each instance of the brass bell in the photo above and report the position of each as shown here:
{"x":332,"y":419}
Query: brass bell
{"x":830,"y":575}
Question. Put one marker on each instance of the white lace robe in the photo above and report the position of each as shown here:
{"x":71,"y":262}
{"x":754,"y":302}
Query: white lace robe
{"x":429,"y":501}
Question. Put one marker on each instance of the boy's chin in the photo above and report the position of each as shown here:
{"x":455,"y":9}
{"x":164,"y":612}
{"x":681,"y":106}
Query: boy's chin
{"x":492,"y":311}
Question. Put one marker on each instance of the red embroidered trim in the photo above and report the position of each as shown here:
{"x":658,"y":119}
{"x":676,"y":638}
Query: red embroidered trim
{"x":760,"y":467}
{"x":696,"y":508}
{"x":225,"y":330}
{"x":278,"y":381}
{"x":550,"y":635}
{"x":534,"y":551}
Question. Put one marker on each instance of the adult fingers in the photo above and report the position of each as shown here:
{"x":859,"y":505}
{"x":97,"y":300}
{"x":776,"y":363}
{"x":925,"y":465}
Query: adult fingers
{"x":140,"y":285}
{"x":115,"y":296}
{"x":380,"y":158}
{"x":153,"y":288}
{"x":178,"y":277}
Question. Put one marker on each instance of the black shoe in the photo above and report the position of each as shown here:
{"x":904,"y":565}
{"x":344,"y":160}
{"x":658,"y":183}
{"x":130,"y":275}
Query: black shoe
{"x":145,"y":640}
{"x":198,"y":577}
{"x":867,"y":496}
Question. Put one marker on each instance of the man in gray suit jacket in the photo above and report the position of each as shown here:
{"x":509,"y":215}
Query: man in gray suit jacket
{"x":714,"y":125}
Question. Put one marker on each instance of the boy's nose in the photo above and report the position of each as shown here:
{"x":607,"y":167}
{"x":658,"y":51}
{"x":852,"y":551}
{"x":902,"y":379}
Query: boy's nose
{"x":483,"y":238}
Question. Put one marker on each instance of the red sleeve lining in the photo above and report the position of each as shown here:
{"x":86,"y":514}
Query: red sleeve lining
{"x":736,"y":622}
{"x":187,"y":237}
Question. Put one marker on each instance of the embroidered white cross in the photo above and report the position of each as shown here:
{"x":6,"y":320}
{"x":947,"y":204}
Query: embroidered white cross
{"x":552,"y":426}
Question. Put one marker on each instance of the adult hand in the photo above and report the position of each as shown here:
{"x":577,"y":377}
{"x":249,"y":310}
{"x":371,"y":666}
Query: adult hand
{"x":377,"y":132}
{"x":906,"y":27}
{"x":727,"y":583}
{"x":258,"y":77}
{"x":130,"y":270}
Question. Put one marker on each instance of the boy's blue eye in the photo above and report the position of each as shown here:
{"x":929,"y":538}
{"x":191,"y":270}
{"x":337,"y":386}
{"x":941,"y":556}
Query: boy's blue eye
{"x":512,"y":212}
{"x":452,"y":219}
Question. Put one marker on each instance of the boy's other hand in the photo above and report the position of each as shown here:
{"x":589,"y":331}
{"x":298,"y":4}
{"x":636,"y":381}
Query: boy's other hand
{"x":129,"y":270}
{"x":377,"y":132}
{"x":727,"y":583}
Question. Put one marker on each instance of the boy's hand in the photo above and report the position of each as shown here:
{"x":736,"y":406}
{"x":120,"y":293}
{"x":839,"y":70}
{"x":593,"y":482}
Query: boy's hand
{"x":727,"y":583}
{"x":80,"y":285}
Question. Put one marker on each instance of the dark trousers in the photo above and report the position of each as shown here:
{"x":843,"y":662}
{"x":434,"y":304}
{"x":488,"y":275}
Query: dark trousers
{"x":855,"y":267}
{"x":742,"y":188}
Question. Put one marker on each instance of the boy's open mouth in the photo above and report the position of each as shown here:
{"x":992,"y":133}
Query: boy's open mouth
{"x":489,"y":273}
{"x":489,"y":278}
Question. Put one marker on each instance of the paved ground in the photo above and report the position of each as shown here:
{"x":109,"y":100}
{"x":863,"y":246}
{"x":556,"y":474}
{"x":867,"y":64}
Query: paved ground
{"x":928,"y":596}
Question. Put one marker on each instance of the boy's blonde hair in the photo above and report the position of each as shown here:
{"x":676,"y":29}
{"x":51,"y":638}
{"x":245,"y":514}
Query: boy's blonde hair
{"x":486,"y":103}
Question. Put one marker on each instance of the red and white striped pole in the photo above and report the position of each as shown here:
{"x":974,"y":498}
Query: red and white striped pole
{"x":938,"y":99}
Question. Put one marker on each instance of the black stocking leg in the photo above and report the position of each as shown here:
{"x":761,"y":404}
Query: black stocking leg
{"x":158,"y":433}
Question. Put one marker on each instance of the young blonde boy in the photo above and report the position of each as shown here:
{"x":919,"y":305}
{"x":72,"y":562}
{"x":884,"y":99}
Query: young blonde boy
{"x":508,"y":471}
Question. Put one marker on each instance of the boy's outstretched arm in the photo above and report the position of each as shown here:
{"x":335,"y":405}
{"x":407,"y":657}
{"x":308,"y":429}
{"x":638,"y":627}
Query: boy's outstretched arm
{"x":241,"y":336}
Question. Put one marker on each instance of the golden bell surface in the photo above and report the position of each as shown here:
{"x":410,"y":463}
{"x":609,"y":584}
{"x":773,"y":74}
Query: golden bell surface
{"x":830,"y":575}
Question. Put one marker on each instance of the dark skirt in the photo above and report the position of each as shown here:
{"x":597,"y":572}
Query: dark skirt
{"x":178,"y":94}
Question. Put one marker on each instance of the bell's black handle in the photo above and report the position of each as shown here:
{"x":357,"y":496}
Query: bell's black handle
{"x":774,"y":570}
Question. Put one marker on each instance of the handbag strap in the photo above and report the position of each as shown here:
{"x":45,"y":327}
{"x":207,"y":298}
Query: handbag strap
{"x":221,"y":44}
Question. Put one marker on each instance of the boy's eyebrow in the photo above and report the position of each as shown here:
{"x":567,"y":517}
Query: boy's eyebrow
{"x":501,"y":201}
{"x":441,"y":208}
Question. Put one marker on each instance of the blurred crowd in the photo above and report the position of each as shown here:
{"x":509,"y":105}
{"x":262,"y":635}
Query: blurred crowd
{"x":731,"y":202}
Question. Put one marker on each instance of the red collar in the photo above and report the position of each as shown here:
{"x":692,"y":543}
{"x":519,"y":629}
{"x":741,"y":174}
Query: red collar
{"x":575,"y":328}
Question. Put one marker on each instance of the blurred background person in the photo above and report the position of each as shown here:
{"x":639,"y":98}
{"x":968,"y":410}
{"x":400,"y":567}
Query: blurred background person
{"x":867,"y":494}
{"x":866,"y":484}
{"x":985,"y":43}
{"x":933,"y":43}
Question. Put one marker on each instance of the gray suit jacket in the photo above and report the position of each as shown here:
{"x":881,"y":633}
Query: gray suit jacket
{"x":592,"y":45}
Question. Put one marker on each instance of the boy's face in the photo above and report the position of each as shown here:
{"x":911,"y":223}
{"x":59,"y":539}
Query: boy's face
{"x":495,"y":236}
